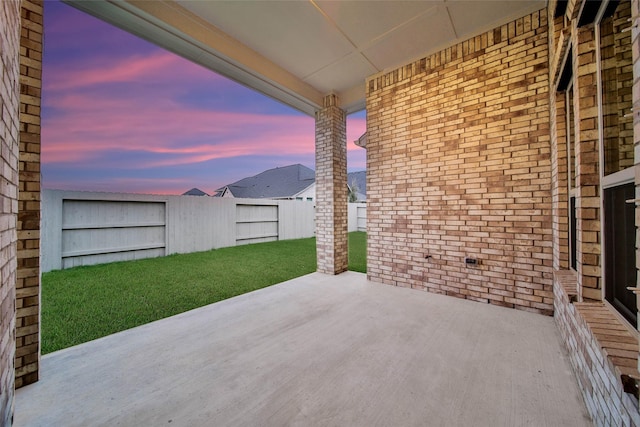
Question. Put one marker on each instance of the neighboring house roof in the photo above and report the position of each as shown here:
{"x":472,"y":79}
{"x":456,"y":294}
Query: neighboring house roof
{"x":195,"y":192}
{"x":274,"y":183}
{"x":284,"y":182}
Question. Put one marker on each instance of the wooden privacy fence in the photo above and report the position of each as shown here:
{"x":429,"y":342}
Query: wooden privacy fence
{"x":84,"y":228}
{"x":361,"y":216}
{"x":97,"y":231}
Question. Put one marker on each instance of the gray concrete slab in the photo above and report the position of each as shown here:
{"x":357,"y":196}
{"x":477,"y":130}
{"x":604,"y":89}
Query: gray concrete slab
{"x":316,"y":351}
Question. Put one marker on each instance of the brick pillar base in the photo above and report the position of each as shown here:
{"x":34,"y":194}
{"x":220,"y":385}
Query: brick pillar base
{"x":9,"y":134}
{"x":331,"y":187}
{"x":27,"y":363}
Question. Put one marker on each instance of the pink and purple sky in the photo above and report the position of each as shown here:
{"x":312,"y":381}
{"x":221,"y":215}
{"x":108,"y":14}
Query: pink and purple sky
{"x":122,"y":115}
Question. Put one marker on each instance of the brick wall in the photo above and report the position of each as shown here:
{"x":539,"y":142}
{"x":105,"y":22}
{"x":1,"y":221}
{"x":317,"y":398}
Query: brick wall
{"x":458,"y":165}
{"x":331,"y":184}
{"x":592,"y":356}
{"x":560,"y":185}
{"x":565,"y":34}
{"x":587,"y":162}
{"x":9,"y":107}
{"x":559,"y":166}
{"x":635,"y":49}
{"x":28,"y":248}
{"x":603,"y":350}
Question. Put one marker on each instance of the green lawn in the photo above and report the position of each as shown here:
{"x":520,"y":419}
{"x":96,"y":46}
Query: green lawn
{"x":358,"y":251}
{"x":84,"y":303}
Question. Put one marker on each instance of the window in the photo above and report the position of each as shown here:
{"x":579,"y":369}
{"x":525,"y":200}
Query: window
{"x":565,"y":85}
{"x":620,"y":253}
{"x":571,"y":169}
{"x":615,"y":82}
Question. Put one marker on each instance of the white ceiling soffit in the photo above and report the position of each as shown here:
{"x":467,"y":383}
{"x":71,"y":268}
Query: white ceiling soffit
{"x":299,"y":51}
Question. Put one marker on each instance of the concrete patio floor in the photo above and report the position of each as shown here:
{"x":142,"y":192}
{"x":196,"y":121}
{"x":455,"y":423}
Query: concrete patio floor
{"x":316,"y":351}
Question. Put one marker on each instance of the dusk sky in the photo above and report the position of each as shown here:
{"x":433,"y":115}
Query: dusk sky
{"x":122,"y":115}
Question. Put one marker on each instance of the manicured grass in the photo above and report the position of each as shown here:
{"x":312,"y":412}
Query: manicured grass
{"x":358,"y":251}
{"x":84,"y":303}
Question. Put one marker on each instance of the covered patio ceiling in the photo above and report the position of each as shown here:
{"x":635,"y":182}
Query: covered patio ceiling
{"x":299,"y":51}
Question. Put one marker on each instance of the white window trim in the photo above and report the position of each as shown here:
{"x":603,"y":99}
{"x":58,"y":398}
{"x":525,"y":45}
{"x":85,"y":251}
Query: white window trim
{"x":616,"y":179}
{"x":612,"y":180}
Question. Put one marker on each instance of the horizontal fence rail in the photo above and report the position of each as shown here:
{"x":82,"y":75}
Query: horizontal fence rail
{"x":84,"y":228}
{"x":100,"y":231}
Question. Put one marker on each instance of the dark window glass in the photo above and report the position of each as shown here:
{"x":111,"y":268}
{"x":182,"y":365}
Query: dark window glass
{"x":572,"y":232}
{"x":620,"y":249}
{"x":617,"y":82}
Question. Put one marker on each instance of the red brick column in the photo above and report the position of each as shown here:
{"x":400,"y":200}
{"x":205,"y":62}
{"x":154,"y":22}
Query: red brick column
{"x":28,"y":249}
{"x":588,"y":158}
{"x":9,"y":121}
{"x":559,"y":182}
{"x":331,"y":187}
{"x":559,"y":160}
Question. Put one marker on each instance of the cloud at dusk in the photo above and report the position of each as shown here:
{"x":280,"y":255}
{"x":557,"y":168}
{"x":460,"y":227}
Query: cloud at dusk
{"x":122,"y":115}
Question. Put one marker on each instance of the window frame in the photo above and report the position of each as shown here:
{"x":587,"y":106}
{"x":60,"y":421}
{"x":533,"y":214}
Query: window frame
{"x":615,"y":179}
{"x":572,"y":169}
{"x":626,"y":175}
